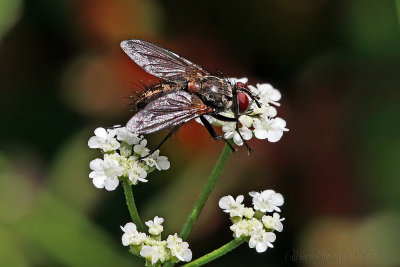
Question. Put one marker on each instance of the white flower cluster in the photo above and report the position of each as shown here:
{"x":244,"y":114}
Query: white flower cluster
{"x":254,"y":224}
{"x":123,"y":151}
{"x":151,"y":247}
{"x":260,"y":122}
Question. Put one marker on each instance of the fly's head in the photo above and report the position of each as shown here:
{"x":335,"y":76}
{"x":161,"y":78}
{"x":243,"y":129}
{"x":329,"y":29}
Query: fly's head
{"x":243,"y":98}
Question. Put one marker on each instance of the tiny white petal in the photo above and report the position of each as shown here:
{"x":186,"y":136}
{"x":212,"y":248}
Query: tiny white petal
{"x":95,"y":164}
{"x":111,"y":183}
{"x":237,"y":139}
{"x":101,"y":132}
{"x":246,"y":133}
{"x":163,"y":163}
{"x":93,"y":142}
{"x":98,"y":181}
{"x":261,"y":133}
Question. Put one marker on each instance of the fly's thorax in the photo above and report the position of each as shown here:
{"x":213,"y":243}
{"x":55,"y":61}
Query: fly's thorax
{"x":216,"y":92}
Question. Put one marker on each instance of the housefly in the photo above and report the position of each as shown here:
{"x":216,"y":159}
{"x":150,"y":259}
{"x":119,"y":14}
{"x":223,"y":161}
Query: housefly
{"x":186,"y":91}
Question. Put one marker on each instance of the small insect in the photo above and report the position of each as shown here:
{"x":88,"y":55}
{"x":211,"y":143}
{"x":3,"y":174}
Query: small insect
{"x":186,"y":91}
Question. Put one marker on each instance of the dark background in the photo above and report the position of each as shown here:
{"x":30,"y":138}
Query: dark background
{"x":336,"y":63}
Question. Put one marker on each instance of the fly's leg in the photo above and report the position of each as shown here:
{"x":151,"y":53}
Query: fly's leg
{"x":171,"y":132}
{"x":213,"y":134}
{"x":255,"y":98}
{"x":223,"y":118}
{"x":236,"y":112}
{"x":249,"y":149}
{"x":228,"y":119}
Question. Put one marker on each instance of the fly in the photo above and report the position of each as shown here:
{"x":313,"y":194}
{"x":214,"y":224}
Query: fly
{"x":186,"y":91}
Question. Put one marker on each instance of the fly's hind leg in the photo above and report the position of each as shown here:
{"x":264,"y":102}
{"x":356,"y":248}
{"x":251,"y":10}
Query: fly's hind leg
{"x":213,"y":134}
{"x":171,"y":132}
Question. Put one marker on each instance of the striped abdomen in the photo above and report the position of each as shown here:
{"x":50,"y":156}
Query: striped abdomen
{"x":154,"y":91}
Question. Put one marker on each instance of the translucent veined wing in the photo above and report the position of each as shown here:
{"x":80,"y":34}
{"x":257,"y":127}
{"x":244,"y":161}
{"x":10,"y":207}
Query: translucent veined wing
{"x":167,"y":111}
{"x":161,"y":62}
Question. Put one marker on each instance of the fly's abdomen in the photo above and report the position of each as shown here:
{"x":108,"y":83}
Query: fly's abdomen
{"x":154,"y":91}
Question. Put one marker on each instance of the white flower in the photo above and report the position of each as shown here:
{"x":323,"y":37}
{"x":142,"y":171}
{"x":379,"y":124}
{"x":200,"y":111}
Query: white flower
{"x":105,"y":172}
{"x":240,"y":228}
{"x":125,"y":150}
{"x":131,"y":236}
{"x":136,"y":171}
{"x":261,"y":240}
{"x":234,"y":207}
{"x":245,"y":227}
{"x":126,"y":136}
{"x":246,"y":121}
{"x":160,"y":162}
{"x":271,"y":129}
{"x":273,"y":222}
{"x":266,"y":93}
{"x":153,"y":253}
{"x":229,"y":205}
{"x":248,"y":212}
{"x":155,"y":227}
{"x":178,"y":248}
{"x":104,"y":140}
{"x":264,"y":111}
{"x":267,"y":201}
{"x":230,"y":132}
{"x":141,"y":148}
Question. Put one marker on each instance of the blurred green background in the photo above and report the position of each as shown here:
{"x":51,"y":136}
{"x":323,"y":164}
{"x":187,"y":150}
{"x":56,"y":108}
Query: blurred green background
{"x":337,"y":64}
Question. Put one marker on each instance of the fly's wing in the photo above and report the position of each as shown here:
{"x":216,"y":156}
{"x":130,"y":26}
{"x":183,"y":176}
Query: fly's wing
{"x":161,"y":62}
{"x":167,"y":111}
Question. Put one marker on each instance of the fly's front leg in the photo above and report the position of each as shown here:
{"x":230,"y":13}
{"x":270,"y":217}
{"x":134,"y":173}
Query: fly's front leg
{"x":255,"y":98}
{"x":237,"y":114}
{"x":249,"y":149}
{"x":213,"y":134}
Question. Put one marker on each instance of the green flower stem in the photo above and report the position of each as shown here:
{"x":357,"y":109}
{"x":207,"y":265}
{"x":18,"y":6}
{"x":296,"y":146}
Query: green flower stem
{"x":398,"y":10}
{"x":205,"y":193}
{"x":130,"y":202}
{"x":216,"y":253}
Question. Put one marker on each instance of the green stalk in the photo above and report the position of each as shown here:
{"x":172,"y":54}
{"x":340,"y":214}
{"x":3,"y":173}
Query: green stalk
{"x":130,"y":202}
{"x":205,"y":193}
{"x":398,"y":10}
{"x":215,"y":254}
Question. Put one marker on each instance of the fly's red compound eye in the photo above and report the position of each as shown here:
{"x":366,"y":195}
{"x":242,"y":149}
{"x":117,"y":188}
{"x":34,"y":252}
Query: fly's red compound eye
{"x":243,"y":100}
